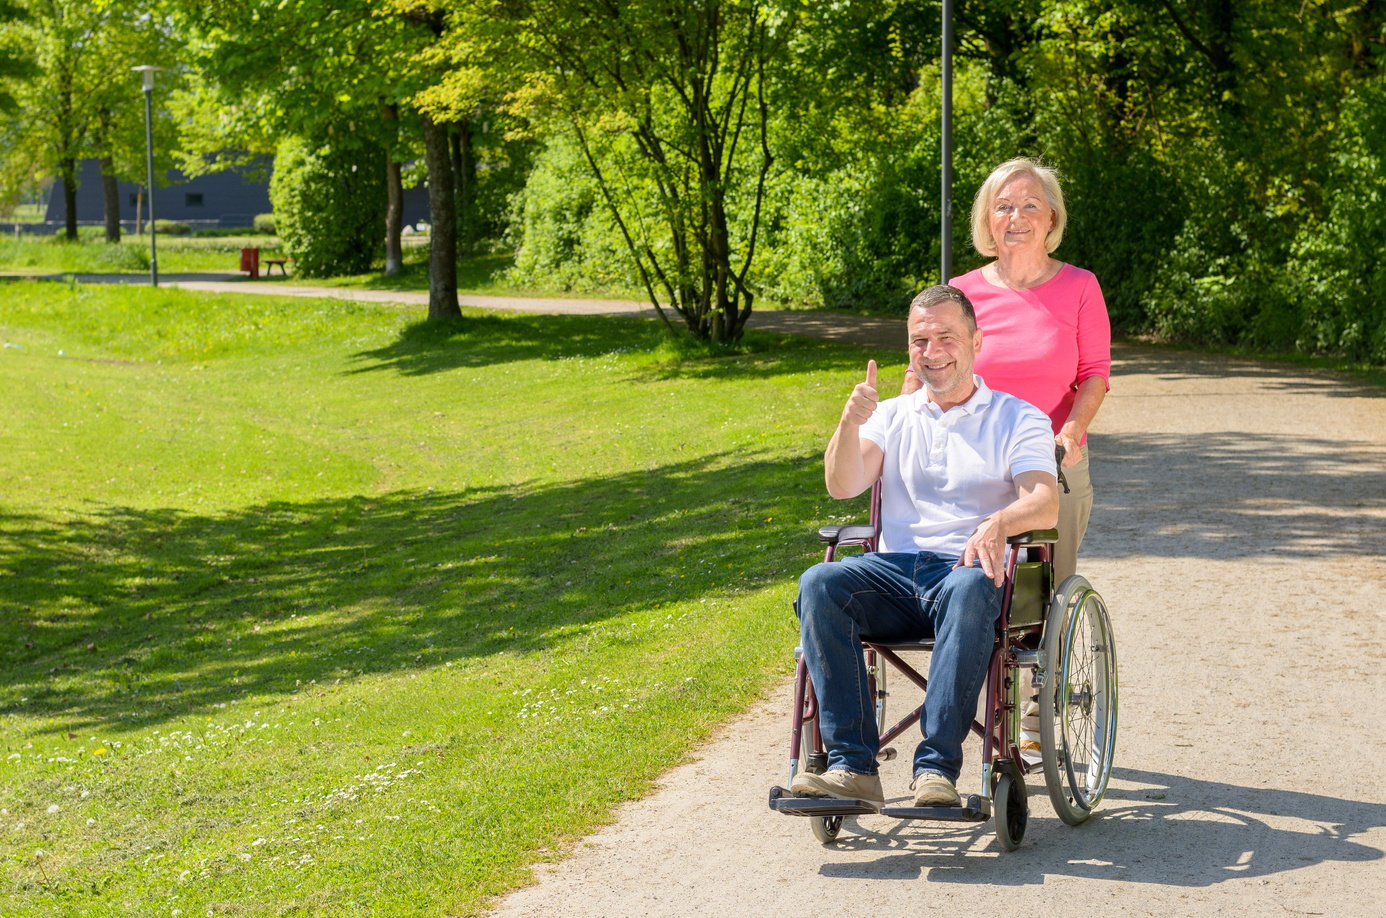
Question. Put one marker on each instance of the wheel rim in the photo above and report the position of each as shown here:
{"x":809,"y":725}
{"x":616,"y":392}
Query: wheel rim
{"x":1087,"y":701}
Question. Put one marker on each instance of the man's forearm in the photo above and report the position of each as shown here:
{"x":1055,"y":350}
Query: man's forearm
{"x":844,"y":468}
{"x":1037,"y":508}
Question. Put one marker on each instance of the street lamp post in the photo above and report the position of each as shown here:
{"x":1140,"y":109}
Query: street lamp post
{"x":946,"y":149}
{"x":148,"y":73}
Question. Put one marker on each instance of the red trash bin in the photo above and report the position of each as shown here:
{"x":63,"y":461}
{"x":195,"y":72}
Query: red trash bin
{"x":250,"y":261}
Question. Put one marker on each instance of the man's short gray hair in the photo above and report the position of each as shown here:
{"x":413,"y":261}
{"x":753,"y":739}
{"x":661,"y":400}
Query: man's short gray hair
{"x":943,"y":293}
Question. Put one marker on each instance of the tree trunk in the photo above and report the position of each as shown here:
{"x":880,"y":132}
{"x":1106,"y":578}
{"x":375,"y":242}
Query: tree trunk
{"x":67,"y":170}
{"x":394,"y":209}
{"x":442,"y":245}
{"x":110,"y":195}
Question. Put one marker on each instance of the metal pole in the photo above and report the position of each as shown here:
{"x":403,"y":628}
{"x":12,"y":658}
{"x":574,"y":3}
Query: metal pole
{"x":946,"y":170}
{"x":149,"y":172}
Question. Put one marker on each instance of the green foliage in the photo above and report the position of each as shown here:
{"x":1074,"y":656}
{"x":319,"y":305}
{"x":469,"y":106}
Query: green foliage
{"x":562,"y":231}
{"x":1333,"y":298}
{"x":668,"y":107}
{"x":329,"y":205}
{"x":172,"y":228}
{"x":264,"y":223}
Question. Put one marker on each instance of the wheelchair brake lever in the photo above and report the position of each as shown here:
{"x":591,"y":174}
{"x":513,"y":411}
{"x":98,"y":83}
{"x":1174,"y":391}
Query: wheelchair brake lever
{"x":1059,"y":462}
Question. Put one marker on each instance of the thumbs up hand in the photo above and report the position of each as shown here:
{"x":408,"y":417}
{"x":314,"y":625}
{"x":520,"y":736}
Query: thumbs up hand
{"x":862,"y":402}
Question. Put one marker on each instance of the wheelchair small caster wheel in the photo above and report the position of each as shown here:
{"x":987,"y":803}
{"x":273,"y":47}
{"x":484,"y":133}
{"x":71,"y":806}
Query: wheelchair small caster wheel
{"x":825,"y":828}
{"x":1012,"y":811}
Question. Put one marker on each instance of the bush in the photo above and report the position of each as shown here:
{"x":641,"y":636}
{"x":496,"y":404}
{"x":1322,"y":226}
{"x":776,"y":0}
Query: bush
{"x":172,"y":228}
{"x":562,"y":230}
{"x":329,"y":205}
{"x":264,"y":223}
{"x":1334,"y":292}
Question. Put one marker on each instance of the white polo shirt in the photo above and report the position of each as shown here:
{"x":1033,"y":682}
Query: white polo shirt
{"x":946,"y":471}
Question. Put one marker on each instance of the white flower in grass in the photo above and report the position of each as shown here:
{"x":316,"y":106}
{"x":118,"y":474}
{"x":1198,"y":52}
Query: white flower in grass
{"x":53,"y":808}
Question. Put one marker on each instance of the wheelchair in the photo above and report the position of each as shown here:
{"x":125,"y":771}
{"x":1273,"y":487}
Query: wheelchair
{"x":1061,"y":638}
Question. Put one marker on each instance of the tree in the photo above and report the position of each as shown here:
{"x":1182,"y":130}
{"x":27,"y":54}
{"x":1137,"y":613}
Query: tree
{"x":668,"y":102}
{"x":78,"y":98}
{"x":313,"y":68}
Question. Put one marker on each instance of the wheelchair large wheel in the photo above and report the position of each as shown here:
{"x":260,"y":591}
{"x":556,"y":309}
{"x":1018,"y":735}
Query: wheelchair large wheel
{"x":825,"y":828}
{"x":1078,"y":701}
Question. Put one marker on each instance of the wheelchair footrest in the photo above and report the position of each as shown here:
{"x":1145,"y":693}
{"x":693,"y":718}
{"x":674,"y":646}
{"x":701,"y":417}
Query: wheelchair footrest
{"x":974,"y":809}
{"x":783,"y":801}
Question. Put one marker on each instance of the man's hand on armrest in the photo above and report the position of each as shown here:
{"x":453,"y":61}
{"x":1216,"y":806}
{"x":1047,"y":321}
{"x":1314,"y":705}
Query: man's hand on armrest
{"x":1035,"y":507}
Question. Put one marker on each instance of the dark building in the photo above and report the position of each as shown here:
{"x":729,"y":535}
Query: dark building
{"x":220,"y":199}
{"x":228,"y":199}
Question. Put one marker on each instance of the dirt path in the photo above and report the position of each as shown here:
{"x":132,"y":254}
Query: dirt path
{"x":1238,"y":541}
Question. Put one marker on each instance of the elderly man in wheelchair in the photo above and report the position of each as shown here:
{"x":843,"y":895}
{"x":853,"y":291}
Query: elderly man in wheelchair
{"x":961,"y":470}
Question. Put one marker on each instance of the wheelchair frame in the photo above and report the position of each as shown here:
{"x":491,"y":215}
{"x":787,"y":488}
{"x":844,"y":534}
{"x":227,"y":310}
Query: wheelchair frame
{"x":1065,"y":635}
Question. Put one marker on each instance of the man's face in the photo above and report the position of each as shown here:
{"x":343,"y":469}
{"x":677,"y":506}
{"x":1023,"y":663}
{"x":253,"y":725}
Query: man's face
{"x":942,"y":350}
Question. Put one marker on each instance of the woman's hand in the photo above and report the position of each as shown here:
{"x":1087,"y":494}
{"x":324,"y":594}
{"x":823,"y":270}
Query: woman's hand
{"x":1071,"y":444}
{"x":912,"y":383}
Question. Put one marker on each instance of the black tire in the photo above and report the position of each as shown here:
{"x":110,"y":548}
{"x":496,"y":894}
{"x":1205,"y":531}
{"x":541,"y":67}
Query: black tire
{"x":825,"y":828}
{"x":1012,"y":811}
{"x":1078,"y":702}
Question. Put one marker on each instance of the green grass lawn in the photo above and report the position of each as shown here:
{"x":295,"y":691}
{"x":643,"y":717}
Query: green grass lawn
{"x":91,"y":254}
{"x":309,"y":609}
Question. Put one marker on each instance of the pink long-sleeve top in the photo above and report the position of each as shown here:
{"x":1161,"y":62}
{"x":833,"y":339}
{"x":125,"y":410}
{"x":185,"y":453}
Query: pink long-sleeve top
{"x":1040,"y":343}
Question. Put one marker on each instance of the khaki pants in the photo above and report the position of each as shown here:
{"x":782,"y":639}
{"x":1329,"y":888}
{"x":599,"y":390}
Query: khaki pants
{"x":1075,"y":508}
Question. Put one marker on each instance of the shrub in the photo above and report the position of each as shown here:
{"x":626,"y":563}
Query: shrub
{"x":264,"y":223}
{"x":329,"y":205}
{"x":562,"y":230}
{"x":172,"y":228}
{"x":1334,"y":292}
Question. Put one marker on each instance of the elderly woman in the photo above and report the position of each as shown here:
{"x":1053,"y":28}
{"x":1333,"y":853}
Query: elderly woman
{"x":1046,"y":337}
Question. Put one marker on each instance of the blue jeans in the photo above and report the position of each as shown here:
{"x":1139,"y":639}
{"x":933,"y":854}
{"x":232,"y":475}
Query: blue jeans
{"x":896,"y":596}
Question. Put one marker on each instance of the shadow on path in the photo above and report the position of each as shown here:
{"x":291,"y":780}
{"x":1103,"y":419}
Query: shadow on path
{"x":1231,"y":496}
{"x":1171,"y":831}
{"x":1210,"y":374}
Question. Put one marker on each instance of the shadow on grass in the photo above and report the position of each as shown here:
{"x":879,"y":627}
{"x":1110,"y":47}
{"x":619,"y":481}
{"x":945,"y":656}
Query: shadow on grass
{"x":130,"y":616}
{"x":424,"y":348}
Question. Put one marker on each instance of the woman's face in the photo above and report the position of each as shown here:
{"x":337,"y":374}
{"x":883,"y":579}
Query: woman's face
{"x":1021,"y":217}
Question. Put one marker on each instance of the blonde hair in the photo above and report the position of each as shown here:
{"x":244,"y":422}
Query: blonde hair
{"x":1048,"y":178}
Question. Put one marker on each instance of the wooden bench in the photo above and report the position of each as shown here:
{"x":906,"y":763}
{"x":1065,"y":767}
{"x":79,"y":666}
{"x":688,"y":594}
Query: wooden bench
{"x":269,"y":264}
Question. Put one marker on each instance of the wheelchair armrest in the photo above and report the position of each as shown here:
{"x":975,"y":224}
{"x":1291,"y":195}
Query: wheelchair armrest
{"x":835,"y":534}
{"x":1034,"y":537}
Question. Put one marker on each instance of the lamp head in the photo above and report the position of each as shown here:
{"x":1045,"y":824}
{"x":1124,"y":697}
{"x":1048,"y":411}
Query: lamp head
{"x":148,"y":73}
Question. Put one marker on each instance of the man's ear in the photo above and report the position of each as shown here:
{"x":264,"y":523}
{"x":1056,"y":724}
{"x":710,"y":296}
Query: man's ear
{"x":977,"y":341}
